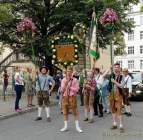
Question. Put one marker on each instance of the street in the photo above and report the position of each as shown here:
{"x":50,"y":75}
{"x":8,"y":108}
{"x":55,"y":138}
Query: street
{"x":23,"y":127}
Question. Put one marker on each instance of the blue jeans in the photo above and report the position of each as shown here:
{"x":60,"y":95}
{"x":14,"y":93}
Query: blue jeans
{"x":18,"y":90}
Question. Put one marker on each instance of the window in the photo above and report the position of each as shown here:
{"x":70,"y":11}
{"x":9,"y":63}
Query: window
{"x":131,"y":19}
{"x":130,"y":9}
{"x":131,"y":50}
{"x":141,"y":34}
{"x":141,"y":20}
{"x":131,"y":64}
{"x":131,"y":36}
{"x":141,"y":64}
{"x":141,"y":49}
{"x":120,"y":62}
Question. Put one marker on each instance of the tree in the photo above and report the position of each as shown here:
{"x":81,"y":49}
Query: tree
{"x":59,"y":16}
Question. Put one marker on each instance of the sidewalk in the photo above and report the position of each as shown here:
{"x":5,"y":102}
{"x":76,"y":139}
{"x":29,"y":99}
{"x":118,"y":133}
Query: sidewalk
{"x":7,"y":107}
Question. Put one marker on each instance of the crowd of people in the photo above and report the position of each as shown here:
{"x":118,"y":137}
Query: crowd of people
{"x":100,"y":92}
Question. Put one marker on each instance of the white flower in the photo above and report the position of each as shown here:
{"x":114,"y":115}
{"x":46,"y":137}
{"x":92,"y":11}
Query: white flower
{"x":68,"y":36}
{"x":75,"y":56}
{"x":71,"y":64}
{"x":75,"y":50}
{"x":76,"y":61}
{"x":54,"y":56}
{"x":76,"y":46}
{"x":52,"y":41}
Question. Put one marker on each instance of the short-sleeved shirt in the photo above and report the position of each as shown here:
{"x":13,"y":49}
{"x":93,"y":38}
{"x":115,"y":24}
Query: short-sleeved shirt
{"x":43,"y":82}
{"x":19,"y":78}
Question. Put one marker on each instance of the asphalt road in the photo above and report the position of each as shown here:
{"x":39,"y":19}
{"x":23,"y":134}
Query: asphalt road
{"x":24,"y":127}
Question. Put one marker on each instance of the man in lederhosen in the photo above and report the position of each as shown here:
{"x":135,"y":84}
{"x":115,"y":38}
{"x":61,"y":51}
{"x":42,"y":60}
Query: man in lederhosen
{"x":69,"y":90}
{"x":115,"y":97}
{"x":42,"y":89}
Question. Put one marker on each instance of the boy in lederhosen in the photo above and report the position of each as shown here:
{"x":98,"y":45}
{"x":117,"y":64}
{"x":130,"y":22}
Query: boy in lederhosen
{"x":115,"y":97}
{"x":42,"y":88}
{"x":89,"y":91}
{"x":69,"y":90}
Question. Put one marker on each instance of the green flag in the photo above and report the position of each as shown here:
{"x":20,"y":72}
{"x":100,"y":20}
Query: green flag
{"x":93,"y":44}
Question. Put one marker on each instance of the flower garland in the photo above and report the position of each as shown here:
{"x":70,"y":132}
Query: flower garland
{"x":67,"y":40}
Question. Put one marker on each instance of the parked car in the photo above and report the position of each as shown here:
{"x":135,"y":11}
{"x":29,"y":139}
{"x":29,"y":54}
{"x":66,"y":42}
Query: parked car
{"x":137,"y":86}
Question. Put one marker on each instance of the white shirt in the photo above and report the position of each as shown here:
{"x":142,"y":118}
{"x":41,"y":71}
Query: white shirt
{"x":19,"y":79}
{"x":99,"y":80}
{"x":127,"y":83}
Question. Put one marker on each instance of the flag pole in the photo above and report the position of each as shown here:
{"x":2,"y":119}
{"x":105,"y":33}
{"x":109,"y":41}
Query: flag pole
{"x":93,"y":44}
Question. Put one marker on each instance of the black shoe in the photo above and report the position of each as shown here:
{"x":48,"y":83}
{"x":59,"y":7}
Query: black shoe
{"x":95,"y":114}
{"x":129,"y":114}
{"x":38,"y":119}
{"x":125,"y":113}
{"x":113,"y":127}
{"x":101,"y":115}
{"x":86,"y":119}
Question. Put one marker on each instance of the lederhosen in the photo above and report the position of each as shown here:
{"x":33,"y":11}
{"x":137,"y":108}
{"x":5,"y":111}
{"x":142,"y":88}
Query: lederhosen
{"x":115,"y":96}
{"x":43,"y":96}
{"x":88,"y":96}
{"x":69,"y":102}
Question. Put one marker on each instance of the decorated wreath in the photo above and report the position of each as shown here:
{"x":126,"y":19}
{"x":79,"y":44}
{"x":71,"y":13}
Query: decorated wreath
{"x":65,"y":49}
{"x":80,"y":30}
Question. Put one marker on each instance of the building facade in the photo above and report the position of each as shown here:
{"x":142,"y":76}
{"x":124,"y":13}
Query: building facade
{"x":133,"y":57}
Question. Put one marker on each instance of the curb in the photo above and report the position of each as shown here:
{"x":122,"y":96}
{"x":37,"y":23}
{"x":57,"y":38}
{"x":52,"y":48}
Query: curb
{"x":26,"y":110}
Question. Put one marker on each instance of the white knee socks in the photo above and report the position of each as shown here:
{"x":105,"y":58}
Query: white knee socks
{"x":65,"y":126}
{"x":47,"y":110}
{"x":91,"y":114}
{"x":77,"y":126}
{"x":39,"y":111}
{"x":86,"y":113}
